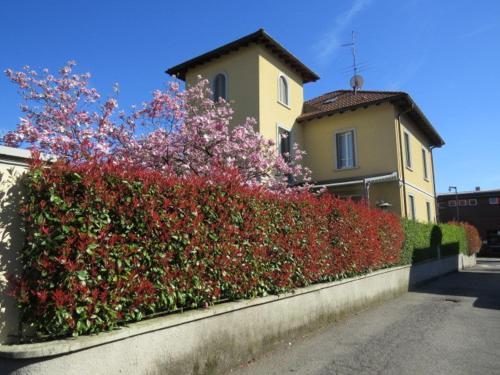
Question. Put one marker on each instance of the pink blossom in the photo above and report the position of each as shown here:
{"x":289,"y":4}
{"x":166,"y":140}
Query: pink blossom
{"x":180,"y":132}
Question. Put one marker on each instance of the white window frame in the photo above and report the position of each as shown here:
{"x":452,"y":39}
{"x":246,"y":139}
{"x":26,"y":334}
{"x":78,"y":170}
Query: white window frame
{"x":407,"y":150}
{"x":413,"y":208}
{"x":226,"y":85}
{"x":452,"y":203}
{"x":472,"y":202}
{"x":424,"y":165}
{"x":493,"y":200}
{"x":287,"y":81}
{"x":429,"y":211}
{"x":355,"y":149}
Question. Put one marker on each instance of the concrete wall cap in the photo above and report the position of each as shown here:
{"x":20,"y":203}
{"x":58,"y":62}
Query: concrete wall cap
{"x":69,"y":345}
{"x":13,"y":152}
{"x":21,"y":155}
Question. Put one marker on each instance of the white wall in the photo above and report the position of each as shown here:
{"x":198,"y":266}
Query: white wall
{"x":13,"y":164}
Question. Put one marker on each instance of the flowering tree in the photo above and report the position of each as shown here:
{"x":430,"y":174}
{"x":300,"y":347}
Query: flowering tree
{"x":182,"y":132}
{"x":58,"y":118}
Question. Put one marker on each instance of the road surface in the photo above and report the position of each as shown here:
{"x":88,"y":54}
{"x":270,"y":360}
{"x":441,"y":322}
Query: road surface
{"x":449,"y":326}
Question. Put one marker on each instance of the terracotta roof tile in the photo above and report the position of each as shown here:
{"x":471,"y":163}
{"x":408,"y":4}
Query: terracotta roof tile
{"x":340,"y":100}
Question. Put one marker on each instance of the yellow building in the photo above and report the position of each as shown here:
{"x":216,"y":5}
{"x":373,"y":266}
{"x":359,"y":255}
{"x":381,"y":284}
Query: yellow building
{"x":372,"y":145}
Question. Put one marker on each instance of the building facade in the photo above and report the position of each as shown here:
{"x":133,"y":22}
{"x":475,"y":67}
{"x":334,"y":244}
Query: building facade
{"x":479,"y":208}
{"x":372,"y":145}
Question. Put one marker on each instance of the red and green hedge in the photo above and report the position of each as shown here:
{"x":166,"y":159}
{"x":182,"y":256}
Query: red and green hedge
{"x":473,"y":239}
{"x":106,"y":245}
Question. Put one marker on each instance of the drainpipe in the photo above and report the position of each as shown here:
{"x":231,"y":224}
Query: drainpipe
{"x":402,"y":159}
{"x":436,"y":208}
{"x":367,"y":191}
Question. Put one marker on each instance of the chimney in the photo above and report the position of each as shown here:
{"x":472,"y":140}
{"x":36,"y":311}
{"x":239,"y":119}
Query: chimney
{"x":478,"y":188}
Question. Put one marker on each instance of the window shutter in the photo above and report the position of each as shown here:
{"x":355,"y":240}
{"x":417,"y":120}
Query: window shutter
{"x":339,"y":151}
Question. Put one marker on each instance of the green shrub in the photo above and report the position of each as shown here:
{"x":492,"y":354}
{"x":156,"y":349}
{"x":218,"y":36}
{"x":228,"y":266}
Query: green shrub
{"x":454,"y":239}
{"x":420,"y":243}
{"x":422,"y":240}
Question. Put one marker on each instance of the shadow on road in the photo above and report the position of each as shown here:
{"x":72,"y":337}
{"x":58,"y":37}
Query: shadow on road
{"x":481,"y":282}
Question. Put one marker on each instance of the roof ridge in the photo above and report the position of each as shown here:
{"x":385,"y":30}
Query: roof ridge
{"x":358,"y":92}
{"x":376,"y":91}
{"x":325,"y":94}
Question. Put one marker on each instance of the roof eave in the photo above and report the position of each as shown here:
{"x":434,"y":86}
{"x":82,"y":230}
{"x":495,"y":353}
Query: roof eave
{"x":431,"y":132}
{"x":179,"y":70}
{"x":404,"y":98}
{"x":313,"y":116}
{"x":260,"y":36}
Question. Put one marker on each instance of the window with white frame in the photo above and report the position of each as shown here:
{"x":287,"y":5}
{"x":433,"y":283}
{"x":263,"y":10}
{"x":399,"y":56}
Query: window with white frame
{"x":473,"y":202}
{"x":407,"y":150}
{"x":346,"y":149}
{"x":220,"y":86}
{"x":429,"y":212}
{"x":493,"y":200}
{"x":284,"y":142}
{"x":424,"y":163}
{"x":413,"y":211}
{"x":283,"y":90}
{"x":452,"y":203}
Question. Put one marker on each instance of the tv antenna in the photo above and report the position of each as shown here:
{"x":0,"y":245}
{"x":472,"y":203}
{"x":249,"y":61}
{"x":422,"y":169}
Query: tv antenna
{"x":357,"y":80}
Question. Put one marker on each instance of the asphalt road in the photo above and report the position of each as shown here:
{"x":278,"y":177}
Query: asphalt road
{"x":449,"y":326}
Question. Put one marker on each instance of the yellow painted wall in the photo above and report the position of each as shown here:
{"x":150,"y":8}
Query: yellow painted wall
{"x":253,"y":73}
{"x":422,"y":189}
{"x":375,"y":142}
{"x":420,"y":204}
{"x":387,"y":192}
{"x":378,"y":192}
{"x":271,"y":111}
{"x":242,"y":69}
{"x":415,"y":174}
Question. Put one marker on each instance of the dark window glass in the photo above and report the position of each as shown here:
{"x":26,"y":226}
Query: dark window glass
{"x":220,"y":87}
{"x":407,"y":150}
{"x":285,"y":143}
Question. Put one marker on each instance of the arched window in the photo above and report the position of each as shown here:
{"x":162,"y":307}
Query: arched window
{"x":219,"y":86}
{"x":283,"y":89}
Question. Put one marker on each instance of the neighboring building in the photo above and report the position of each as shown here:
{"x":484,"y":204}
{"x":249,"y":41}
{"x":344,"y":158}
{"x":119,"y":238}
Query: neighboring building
{"x":479,"y":208}
{"x":375,"y":145}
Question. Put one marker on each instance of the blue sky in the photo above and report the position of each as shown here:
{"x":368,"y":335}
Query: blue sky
{"x":446,"y":54}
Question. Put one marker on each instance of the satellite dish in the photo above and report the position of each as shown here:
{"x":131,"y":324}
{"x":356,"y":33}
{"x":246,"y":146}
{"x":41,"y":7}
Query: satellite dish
{"x":356,"y":82}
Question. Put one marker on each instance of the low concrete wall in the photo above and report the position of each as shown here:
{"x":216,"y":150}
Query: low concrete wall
{"x":213,"y":340}
{"x":467,"y":261}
